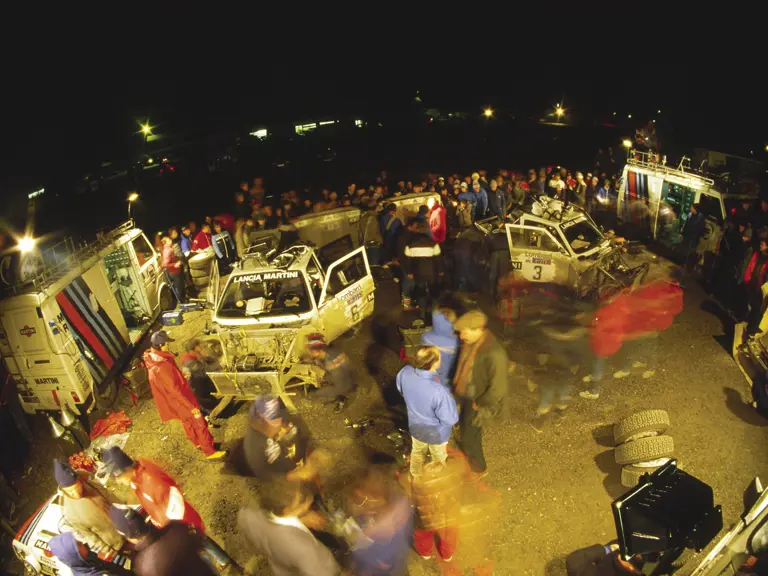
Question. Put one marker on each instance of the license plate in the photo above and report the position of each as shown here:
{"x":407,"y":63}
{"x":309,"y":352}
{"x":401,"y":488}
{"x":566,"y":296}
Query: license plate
{"x":30,"y":399}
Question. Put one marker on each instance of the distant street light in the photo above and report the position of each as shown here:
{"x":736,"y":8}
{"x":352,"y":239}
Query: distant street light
{"x":627,"y":143}
{"x":146,"y":129}
{"x":559,"y":111}
{"x":26,"y":244}
{"x":488,"y":112}
{"x":132,"y":197}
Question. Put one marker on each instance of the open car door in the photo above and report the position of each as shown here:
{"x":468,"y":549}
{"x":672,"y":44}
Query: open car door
{"x":347,"y":296}
{"x":212,"y":296}
{"x":536,"y":255}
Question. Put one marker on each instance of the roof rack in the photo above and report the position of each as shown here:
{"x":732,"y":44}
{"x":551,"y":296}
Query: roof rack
{"x":652,"y":161}
{"x":57,"y":261}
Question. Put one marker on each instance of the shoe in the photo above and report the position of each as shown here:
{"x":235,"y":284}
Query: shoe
{"x":426,"y":557}
{"x":477,"y":476}
{"x":649,"y":374}
{"x":589,"y":378}
{"x":218,"y":455}
{"x":559,"y":416}
{"x":638,"y":364}
{"x":543,"y":411}
{"x":538,"y":423}
{"x":589,"y":395}
{"x":340,"y":406}
{"x":448,"y":559}
{"x":621,"y":374}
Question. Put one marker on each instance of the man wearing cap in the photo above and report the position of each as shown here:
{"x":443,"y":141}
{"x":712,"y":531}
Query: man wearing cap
{"x":166,"y":551}
{"x":174,"y":397}
{"x":276,"y":443}
{"x":79,"y":559}
{"x":469,"y":196}
{"x":86,"y":510}
{"x":157,"y":492}
{"x":339,"y":373}
{"x":480,"y":384}
{"x":391,"y":227}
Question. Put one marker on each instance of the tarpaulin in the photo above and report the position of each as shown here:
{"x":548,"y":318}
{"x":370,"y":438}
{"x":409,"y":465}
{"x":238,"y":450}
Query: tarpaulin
{"x":632,"y":315}
{"x":115,"y":423}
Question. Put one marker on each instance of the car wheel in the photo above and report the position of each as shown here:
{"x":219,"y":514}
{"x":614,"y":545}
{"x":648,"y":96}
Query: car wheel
{"x":641,"y":425}
{"x":29,"y":570}
{"x":200,"y":272}
{"x":644,"y":449}
{"x":201,"y":282}
{"x":630,"y":474}
{"x":167,"y":300}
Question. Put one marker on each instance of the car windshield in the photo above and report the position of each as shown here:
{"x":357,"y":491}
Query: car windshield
{"x":267,"y":293}
{"x":581,"y":235}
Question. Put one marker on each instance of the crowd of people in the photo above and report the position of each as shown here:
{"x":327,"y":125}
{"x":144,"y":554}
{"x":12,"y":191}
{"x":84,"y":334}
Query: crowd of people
{"x":454,"y":383}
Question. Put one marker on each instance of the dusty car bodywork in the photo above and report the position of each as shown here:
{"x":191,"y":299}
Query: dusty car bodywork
{"x":557,"y":244}
{"x":267,"y":308}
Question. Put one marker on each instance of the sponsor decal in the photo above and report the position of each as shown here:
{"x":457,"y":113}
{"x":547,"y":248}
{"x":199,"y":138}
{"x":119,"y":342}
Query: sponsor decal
{"x":353,"y":295}
{"x":517,"y":265}
{"x":46,"y":380}
{"x":566,"y":225}
{"x":265,"y":276}
{"x":543,"y":261}
{"x":27,"y":331}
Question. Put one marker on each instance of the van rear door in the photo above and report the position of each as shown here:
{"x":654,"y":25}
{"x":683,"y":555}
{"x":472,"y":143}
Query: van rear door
{"x":25,"y":330}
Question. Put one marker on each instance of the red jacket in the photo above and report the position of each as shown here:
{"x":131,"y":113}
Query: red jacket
{"x":159,"y":495}
{"x":202,"y":241}
{"x":169,"y":261}
{"x":634,"y":314}
{"x":227,"y":222}
{"x":748,"y":273}
{"x":437,"y":223}
{"x":173,"y":395}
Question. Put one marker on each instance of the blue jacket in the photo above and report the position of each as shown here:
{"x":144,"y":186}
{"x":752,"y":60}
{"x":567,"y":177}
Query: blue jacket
{"x":223,"y":245}
{"x":431,"y":408}
{"x":482,"y":202}
{"x":64,"y":547}
{"x":443,"y":336}
{"x":186,"y":243}
{"x":498,"y":202}
{"x":390,"y":226}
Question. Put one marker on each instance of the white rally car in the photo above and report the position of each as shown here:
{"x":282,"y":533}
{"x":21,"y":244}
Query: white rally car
{"x":31,"y":542}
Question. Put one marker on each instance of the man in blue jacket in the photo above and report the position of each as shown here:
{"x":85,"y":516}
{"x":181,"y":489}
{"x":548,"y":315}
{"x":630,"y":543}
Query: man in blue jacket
{"x":470,"y":197}
{"x":80,"y":560}
{"x":444,"y":339}
{"x":391,"y":227}
{"x":482,"y":200}
{"x":497,"y":200}
{"x":431,"y":408}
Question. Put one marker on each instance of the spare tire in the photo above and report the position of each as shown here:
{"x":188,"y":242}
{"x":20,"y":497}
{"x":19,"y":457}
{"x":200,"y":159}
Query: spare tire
{"x":630,"y":475}
{"x":201,"y":261}
{"x":640,"y":425}
{"x":200,"y":272}
{"x":644,"y":449}
{"x":201,"y":281}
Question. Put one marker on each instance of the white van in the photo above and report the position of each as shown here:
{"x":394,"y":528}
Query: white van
{"x":68,"y":329}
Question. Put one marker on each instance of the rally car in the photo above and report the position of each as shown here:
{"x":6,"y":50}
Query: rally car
{"x":550,"y":242}
{"x":270,"y":304}
{"x":31,"y":542}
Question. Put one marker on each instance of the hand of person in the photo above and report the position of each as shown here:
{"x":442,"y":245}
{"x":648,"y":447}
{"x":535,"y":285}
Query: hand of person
{"x":196,"y":413}
{"x":314,"y":520}
{"x":177,"y":265}
{"x":482,"y":415}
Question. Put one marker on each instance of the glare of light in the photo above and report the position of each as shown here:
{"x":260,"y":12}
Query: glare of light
{"x":629,"y":115}
{"x":559,"y":111}
{"x":488,"y":112}
{"x":150,"y":160}
{"x":766,"y":147}
{"x":614,"y":113}
{"x":627,"y":143}
{"x":654,"y":121}
{"x":146,"y":129}
{"x":26,"y":244}
{"x":658,"y":111}
{"x":133,"y":196}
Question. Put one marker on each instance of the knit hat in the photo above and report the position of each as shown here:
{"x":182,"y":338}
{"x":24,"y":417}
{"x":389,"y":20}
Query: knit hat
{"x":160,"y":337}
{"x":117,"y":460}
{"x":316,"y":341}
{"x":265,"y":408}
{"x":127,"y":521}
{"x":472,"y":320}
{"x":64,"y":473}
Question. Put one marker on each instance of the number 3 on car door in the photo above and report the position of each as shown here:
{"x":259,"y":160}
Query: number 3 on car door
{"x":347,"y":297}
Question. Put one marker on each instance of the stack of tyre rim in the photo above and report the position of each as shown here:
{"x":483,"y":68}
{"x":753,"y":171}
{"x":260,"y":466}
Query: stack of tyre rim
{"x":642,"y":445}
{"x":200,"y":267}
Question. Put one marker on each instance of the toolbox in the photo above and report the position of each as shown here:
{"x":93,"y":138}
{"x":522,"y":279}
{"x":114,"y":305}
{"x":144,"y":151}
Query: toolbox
{"x":192,"y":306}
{"x":173,"y":318}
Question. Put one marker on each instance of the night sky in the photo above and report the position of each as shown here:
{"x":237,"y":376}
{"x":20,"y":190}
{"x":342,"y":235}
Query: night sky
{"x":71,"y":107}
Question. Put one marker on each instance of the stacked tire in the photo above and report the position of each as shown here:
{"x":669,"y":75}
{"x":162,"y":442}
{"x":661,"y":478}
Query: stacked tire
{"x":200,"y":267}
{"x":642,"y":445}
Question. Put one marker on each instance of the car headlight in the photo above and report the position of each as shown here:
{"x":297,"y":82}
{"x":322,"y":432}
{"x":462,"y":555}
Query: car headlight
{"x":19,"y":551}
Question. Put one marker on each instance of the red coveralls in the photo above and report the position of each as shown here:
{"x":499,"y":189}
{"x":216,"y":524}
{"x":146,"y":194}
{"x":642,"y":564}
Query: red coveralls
{"x":175,"y":400}
{"x":154,"y":489}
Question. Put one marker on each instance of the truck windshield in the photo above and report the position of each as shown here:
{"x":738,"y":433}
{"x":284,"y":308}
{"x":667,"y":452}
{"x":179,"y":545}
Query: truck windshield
{"x":264,"y":294}
{"x":581,"y":235}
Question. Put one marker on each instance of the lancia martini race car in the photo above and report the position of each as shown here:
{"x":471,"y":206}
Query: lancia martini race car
{"x":269,"y":305}
{"x":31,"y":542}
{"x":557,"y":244}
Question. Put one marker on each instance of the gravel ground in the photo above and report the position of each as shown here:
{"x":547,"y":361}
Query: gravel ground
{"x":553,"y":488}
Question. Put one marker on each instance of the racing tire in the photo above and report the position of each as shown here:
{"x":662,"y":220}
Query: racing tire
{"x":201,"y":281}
{"x":641,"y":425}
{"x":644,"y":449}
{"x":167,"y":299}
{"x":630,"y":475}
{"x":201,"y":261}
{"x":200,"y":272}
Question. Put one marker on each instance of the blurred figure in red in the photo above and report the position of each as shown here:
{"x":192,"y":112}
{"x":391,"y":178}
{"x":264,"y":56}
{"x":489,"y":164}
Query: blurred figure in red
{"x":625,"y":323}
